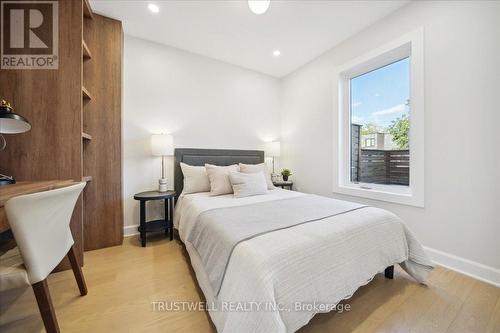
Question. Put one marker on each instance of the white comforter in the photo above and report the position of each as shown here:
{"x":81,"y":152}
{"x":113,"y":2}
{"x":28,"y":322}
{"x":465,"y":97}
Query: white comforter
{"x":278,"y":281}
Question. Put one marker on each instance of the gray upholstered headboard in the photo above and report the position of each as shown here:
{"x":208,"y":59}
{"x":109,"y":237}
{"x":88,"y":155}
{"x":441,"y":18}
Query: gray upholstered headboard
{"x":193,"y":156}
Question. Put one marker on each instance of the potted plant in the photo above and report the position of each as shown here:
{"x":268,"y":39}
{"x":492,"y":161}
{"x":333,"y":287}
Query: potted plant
{"x":285,"y":173}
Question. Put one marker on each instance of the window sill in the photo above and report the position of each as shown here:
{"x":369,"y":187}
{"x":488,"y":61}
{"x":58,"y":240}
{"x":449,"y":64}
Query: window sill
{"x":389,"y":193}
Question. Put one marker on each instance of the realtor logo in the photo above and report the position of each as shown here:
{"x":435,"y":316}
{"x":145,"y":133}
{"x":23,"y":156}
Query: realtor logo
{"x":29,"y":37}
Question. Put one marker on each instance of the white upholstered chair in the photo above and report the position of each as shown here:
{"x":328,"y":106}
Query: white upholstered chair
{"x":40,"y":224}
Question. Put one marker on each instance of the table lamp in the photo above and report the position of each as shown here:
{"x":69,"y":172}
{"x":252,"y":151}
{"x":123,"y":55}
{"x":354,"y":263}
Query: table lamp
{"x":162,"y":145}
{"x":10,"y":123}
{"x":273,"y":149}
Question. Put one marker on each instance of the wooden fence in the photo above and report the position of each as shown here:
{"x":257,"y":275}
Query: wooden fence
{"x":355,"y":151}
{"x":378,"y":166}
{"x":384,"y":166}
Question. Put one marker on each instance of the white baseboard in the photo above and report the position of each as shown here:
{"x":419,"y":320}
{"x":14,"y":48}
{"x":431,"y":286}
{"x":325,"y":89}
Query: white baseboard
{"x":464,"y":266}
{"x":130,"y":230}
{"x":467,"y":267}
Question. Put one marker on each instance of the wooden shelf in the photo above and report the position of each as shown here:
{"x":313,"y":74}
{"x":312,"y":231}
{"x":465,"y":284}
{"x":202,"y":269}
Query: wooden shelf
{"x":87,"y":179}
{"x":85,"y":93}
{"x":86,"y":51}
{"x":86,"y":136}
{"x":87,"y":10}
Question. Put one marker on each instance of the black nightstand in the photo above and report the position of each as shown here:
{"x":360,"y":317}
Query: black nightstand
{"x":283,"y":184}
{"x":166,"y":224}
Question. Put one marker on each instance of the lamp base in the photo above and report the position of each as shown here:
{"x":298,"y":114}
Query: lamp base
{"x":162,"y":185}
{"x":6,"y":180}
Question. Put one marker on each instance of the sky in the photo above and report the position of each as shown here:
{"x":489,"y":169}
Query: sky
{"x":380,"y":96}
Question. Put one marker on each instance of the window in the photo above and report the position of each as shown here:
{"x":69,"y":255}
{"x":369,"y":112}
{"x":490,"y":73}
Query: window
{"x":370,"y":142}
{"x":380,"y":104}
{"x":380,"y":123}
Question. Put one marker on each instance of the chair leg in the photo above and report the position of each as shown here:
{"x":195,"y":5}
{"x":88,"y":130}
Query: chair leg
{"x":389,"y":272}
{"x":77,"y":271}
{"x":45,"y":306}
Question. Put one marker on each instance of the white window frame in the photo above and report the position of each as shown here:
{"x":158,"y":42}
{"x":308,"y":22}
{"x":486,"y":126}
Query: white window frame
{"x":411,"y":45}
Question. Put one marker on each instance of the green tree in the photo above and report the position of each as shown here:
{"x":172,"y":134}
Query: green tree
{"x":400,"y":130}
{"x":369,"y":129}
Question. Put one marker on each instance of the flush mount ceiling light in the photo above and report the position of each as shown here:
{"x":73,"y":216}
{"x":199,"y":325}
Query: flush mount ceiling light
{"x":276,"y":53}
{"x":153,"y":8}
{"x":258,"y":6}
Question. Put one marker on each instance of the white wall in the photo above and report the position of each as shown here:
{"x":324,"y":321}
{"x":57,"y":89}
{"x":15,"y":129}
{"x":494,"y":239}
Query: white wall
{"x":462,"y":155}
{"x":203,"y":103}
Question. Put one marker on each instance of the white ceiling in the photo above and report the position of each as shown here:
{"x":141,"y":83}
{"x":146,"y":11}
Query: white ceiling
{"x":230,"y":32}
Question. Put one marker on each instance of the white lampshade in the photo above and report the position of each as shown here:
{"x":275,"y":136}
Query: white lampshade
{"x":162,"y":145}
{"x":273,"y":149}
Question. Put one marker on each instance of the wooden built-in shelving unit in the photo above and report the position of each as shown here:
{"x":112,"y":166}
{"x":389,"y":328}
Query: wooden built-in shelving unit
{"x":82,"y":140}
{"x":86,"y":52}
{"x":85,"y":93}
{"x":87,"y":19}
{"x":101,"y":59}
{"x":87,"y":10}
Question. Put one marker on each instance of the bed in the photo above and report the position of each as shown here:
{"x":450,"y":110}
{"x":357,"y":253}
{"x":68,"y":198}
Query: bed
{"x":269,"y":263}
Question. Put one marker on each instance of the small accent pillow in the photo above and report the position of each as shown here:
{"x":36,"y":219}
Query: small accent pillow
{"x":248,"y":184}
{"x":219,"y":178}
{"x":195,"y":179}
{"x":254,"y":168}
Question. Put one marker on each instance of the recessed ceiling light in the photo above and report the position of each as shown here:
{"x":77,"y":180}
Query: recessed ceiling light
{"x":276,"y":53}
{"x":258,"y":6}
{"x":154,"y":8}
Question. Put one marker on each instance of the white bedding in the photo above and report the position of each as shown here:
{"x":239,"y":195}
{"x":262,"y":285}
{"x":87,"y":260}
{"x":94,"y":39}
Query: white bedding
{"x":314,"y":263}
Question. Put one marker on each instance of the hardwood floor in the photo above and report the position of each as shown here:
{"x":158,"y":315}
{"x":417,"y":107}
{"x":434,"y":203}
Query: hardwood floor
{"x":123,"y":282}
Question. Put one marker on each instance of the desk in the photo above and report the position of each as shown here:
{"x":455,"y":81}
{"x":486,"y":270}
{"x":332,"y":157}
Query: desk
{"x":20,"y":188}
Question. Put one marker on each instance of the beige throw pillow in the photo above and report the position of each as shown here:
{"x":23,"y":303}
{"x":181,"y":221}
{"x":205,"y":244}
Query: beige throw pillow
{"x":195,"y":179}
{"x":219,"y":178}
{"x":254,"y":168}
{"x":248,"y":184}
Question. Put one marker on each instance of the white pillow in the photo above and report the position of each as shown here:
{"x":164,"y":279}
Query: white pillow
{"x":248,"y":184}
{"x":254,"y":168}
{"x":219,"y":178}
{"x":195,"y":179}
